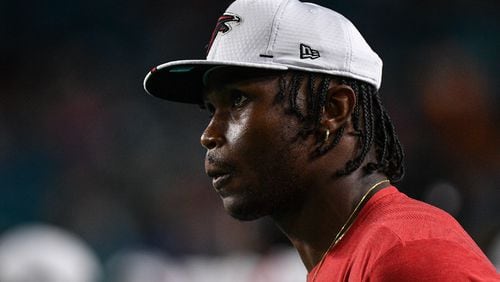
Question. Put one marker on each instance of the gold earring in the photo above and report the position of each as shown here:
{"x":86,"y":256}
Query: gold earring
{"x":327,"y":134}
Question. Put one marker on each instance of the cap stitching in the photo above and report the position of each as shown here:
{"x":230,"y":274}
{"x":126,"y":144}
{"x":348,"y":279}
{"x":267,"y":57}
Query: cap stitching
{"x":347,"y":33}
{"x":276,"y":26}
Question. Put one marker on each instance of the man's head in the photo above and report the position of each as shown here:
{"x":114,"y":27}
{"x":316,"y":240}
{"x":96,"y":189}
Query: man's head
{"x":279,"y":77}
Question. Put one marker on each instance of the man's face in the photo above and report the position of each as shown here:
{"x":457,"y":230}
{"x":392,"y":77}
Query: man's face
{"x":253,"y":154}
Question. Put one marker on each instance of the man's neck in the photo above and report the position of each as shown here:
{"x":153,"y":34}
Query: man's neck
{"x":313,"y":227}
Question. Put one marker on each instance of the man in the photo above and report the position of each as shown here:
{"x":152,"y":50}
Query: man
{"x":298,"y":133}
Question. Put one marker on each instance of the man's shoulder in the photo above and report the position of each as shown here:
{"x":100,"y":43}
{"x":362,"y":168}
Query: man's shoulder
{"x":408,"y":219}
{"x":394,"y":220}
{"x":394,"y":233}
{"x":408,"y":237}
{"x":432,"y":260}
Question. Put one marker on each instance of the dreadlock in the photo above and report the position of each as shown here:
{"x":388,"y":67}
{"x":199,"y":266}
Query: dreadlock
{"x":370,"y":121}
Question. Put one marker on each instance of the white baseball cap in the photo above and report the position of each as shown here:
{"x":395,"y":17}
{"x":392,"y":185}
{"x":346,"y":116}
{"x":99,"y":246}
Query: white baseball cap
{"x":274,"y":35}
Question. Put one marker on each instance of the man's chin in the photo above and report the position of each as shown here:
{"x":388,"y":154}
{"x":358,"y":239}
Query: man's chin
{"x":243,"y":212}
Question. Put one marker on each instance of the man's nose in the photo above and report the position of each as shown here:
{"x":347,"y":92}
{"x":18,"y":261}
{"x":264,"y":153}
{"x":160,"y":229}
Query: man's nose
{"x":213,"y":136}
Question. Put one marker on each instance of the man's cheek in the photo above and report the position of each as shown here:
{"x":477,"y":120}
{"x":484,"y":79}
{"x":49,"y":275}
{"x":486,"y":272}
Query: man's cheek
{"x":238,"y":129}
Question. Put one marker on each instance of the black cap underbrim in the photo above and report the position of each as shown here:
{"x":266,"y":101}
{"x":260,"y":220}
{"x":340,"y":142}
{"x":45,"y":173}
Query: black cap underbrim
{"x":183,"y":86}
{"x":182,"y":81}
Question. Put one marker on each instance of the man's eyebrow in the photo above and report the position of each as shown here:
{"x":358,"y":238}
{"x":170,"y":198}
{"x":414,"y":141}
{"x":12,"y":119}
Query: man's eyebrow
{"x":219,"y":88}
{"x":205,"y":102}
{"x":207,"y":93}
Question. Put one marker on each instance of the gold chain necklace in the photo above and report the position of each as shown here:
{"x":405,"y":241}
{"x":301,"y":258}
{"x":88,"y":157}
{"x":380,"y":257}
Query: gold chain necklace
{"x":343,"y":230}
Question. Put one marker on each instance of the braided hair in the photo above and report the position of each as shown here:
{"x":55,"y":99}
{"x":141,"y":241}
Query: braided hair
{"x":370,"y":120}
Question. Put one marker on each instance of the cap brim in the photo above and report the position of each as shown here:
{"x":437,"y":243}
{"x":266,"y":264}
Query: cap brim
{"x":182,"y":81}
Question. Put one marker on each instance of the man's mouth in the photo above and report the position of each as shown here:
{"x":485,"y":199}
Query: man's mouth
{"x":218,"y":170}
{"x":220,"y":177}
{"x":220,"y":181}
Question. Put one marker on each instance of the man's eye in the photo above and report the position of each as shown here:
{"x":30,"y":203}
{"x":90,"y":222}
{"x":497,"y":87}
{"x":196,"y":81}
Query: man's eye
{"x":238,"y":99}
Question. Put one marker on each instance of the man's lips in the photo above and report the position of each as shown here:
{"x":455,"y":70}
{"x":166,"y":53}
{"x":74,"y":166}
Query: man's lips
{"x":218,"y":170}
{"x":220,"y":177}
{"x":215,"y":173}
{"x":220,"y":181}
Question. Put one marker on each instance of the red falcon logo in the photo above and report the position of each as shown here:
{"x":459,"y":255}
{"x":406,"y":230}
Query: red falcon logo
{"x":222,"y":26}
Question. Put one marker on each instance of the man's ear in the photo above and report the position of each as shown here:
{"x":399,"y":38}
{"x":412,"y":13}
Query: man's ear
{"x":339,"y":105}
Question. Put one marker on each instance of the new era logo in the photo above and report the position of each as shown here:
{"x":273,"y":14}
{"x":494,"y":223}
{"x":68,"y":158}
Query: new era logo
{"x":306,"y":52}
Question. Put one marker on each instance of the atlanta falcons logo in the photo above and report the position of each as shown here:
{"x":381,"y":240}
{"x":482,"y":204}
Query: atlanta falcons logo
{"x":223,"y":27}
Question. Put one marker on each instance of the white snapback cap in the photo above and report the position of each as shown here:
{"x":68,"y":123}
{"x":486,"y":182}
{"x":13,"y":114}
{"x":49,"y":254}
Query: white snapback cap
{"x":275,"y":35}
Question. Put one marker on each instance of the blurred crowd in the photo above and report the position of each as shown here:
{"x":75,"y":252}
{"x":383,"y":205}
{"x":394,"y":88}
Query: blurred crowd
{"x":116,"y":176}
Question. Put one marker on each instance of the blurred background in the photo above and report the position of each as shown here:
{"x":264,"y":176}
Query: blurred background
{"x":93,"y":171}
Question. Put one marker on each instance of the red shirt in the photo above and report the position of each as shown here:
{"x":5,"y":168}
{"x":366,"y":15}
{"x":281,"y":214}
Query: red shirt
{"x":396,"y":238}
